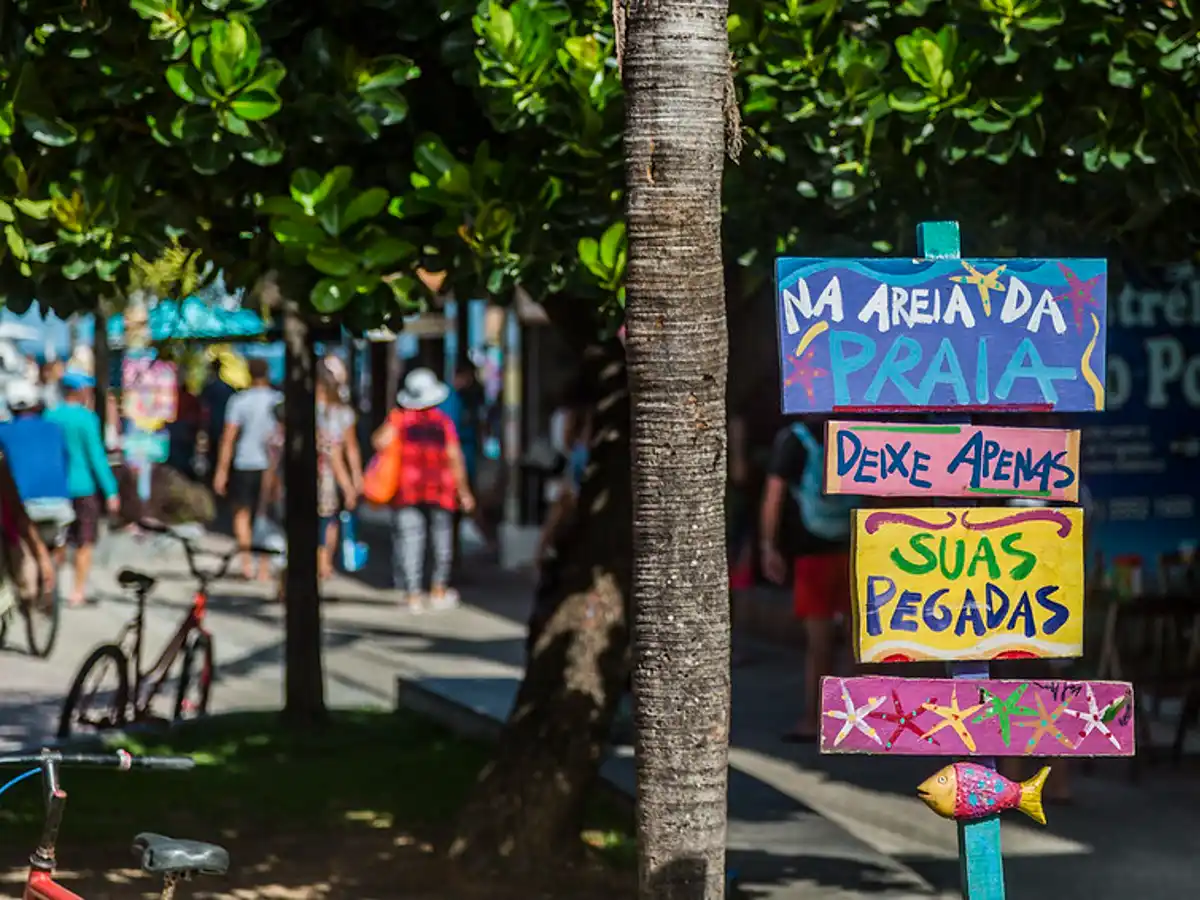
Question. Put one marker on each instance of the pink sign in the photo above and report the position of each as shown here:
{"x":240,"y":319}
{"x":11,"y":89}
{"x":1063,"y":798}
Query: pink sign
{"x":950,"y":717}
{"x":148,"y":389}
{"x":878,"y":459}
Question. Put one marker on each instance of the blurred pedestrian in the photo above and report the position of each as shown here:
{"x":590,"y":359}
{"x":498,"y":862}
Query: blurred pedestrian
{"x":339,"y":462}
{"x":245,"y":455}
{"x":432,"y":484}
{"x":214,"y":399}
{"x":27,"y":573}
{"x":814,"y":543}
{"x":89,"y":478}
{"x":51,"y":378}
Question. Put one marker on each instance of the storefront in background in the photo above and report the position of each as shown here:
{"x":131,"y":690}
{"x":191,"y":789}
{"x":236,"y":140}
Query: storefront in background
{"x":1141,"y":458}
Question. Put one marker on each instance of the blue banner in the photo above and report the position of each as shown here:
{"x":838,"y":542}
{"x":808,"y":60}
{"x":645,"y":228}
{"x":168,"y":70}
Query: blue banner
{"x":1141,"y":458}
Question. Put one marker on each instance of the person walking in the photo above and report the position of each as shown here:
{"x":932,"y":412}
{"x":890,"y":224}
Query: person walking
{"x":339,"y":463}
{"x":432,"y":484}
{"x":90,"y":480}
{"x":214,"y":400}
{"x":817,"y":540}
{"x":245,"y":455}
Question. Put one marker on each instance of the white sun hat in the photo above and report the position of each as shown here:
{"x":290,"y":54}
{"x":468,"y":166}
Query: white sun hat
{"x":422,"y":390}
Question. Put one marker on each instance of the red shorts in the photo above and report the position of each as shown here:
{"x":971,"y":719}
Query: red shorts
{"x":821,"y":586}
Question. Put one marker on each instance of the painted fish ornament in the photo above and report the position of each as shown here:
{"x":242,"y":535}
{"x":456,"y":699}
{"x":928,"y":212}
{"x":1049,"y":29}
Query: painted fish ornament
{"x":967,"y":791}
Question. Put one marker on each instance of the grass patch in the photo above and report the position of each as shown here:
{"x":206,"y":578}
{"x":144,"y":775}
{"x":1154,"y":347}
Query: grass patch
{"x":365,"y":770}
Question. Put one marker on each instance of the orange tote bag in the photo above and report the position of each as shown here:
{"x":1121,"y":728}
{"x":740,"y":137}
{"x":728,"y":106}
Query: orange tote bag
{"x":381,"y":481}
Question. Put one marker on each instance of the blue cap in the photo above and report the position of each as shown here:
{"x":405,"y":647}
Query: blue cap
{"x":75,"y":381}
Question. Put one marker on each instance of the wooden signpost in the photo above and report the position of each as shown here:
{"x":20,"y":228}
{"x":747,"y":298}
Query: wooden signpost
{"x":963,"y":583}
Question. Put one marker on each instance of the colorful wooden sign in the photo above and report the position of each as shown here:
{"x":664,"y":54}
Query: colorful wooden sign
{"x":877,"y":334}
{"x":984,"y":718}
{"x":149,"y":391}
{"x":967,"y":583}
{"x":877,"y":459}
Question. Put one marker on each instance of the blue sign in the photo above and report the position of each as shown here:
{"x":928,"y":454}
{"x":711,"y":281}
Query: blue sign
{"x":1141,"y":459}
{"x":946,"y":334}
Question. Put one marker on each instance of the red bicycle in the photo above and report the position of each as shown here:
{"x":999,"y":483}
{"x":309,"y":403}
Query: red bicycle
{"x":112,"y":689}
{"x":172,"y":859}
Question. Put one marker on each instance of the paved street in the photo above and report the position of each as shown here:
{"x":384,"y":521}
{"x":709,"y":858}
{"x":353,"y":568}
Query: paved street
{"x":801,"y":825}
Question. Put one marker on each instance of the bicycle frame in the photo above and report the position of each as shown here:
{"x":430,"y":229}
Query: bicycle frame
{"x":193,"y":621}
{"x":40,"y":883}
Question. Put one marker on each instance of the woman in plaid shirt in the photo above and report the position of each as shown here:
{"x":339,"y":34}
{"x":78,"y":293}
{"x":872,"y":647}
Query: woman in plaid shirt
{"x":432,"y":485}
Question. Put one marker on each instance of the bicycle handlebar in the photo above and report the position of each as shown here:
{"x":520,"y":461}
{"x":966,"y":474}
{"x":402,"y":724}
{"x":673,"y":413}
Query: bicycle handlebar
{"x":192,"y":551}
{"x":121,"y":759}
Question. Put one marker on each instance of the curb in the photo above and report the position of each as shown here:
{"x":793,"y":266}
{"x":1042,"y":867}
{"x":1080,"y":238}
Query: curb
{"x":472,"y":723}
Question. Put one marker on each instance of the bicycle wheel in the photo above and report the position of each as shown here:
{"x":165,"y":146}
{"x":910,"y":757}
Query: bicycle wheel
{"x":91,"y":703}
{"x":41,"y":625}
{"x":195,"y":678}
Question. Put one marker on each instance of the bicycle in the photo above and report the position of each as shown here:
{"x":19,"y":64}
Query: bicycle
{"x":174,"y":859}
{"x":132,"y":695}
{"x":41,"y":618}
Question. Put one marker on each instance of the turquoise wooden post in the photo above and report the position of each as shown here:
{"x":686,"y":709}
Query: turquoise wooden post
{"x":979,"y":856}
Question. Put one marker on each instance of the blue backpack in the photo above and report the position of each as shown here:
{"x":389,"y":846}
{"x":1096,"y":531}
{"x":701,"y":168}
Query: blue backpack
{"x":825,"y":516}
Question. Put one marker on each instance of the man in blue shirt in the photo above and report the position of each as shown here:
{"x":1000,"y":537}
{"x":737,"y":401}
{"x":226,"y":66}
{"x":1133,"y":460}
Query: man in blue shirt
{"x":37,"y":455}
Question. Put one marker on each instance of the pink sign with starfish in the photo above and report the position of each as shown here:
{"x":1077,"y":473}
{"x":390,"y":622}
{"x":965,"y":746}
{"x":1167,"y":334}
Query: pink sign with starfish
{"x":990,"y":717}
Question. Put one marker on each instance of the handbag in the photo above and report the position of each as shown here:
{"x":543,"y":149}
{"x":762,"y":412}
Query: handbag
{"x":381,"y":480}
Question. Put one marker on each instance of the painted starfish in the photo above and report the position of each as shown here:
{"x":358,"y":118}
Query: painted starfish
{"x":904,"y":721}
{"x":1004,"y":710}
{"x":855,"y":716}
{"x":953,"y":717}
{"x":805,"y":372}
{"x":1093,"y":719}
{"x":1045,"y":724}
{"x":1079,"y":294}
{"x":985,"y":282}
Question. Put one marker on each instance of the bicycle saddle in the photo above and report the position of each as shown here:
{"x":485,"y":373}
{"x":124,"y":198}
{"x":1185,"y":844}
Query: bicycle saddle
{"x":131,"y":578}
{"x":175,"y":856}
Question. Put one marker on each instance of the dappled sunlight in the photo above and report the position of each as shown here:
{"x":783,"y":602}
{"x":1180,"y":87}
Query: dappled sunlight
{"x":361,"y":809}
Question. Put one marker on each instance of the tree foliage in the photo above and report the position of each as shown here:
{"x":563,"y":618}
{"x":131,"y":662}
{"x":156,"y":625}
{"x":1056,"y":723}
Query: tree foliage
{"x":354,"y":142}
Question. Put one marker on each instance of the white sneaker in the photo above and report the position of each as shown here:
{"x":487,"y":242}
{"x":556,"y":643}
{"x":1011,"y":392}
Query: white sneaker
{"x":441,"y":602}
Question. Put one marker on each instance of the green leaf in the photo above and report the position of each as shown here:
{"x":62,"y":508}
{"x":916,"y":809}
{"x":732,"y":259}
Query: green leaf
{"x":270,"y":75}
{"x":388,"y":72}
{"x":334,"y":261}
{"x":16,"y":243}
{"x":35,"y":209}
{"x":281,"y":206}
{"x":254,"y":106}
{"x":432,"y":157}
{"x":387,"y":251}
{"x":589,"y":255}
{"x":611,"y":243}
{"x":15,"y":169}
{"x":295,"y":231}
{"x":234,"y":50}
{"x":76,"y":269}
{"x":185,"y":81}
{"x":366,"y":205}
{"x":841,"y":189}
{"x":6,"y":212}
{"x":51,"y":132}
{"x":328,"y":296}
{"x":263,"y":156}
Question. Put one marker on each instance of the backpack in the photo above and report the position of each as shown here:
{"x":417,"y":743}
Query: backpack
{"x":824,"y":516}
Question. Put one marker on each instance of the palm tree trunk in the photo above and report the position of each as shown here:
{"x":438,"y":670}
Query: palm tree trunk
{"x":676,"y":70}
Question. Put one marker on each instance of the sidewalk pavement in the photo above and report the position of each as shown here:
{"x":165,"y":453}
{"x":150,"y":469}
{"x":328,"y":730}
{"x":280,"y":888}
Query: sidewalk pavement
{"x":801,"y":825}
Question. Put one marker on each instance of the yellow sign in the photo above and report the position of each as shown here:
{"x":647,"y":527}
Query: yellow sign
{"x":967,"y":584}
